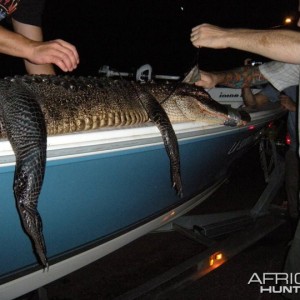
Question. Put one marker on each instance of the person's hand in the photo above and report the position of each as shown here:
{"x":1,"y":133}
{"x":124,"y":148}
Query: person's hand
{"x":207,"y":80}
{"x":206,"y":35}
{"x":287,"y":102}
{"x":57,"y":52}
{"x":201,"y":78}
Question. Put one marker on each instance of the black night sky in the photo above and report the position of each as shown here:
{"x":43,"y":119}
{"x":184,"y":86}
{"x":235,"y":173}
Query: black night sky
{"x":125,"y":34}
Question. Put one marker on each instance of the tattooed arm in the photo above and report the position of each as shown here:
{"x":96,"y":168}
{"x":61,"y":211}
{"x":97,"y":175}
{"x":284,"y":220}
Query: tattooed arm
{"x":236,"y":78}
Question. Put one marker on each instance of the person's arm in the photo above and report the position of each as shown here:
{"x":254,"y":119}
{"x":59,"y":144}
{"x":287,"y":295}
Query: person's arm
{"x":287,"y":103}
{"x":58,"y":52}
{"x":252,"y":100}
{"x":235,"y":78}
{"x":34,"y":33}
{"x":280,"y":45}
{"x":248,"y":97}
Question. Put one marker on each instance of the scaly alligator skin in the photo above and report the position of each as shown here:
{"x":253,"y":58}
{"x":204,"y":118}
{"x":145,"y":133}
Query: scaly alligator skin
{"x":22,"y":120}
{"x":33,"y":106}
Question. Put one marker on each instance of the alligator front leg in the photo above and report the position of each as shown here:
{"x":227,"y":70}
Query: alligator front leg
{"x":26,"y":131}
{"x":157,"y":115}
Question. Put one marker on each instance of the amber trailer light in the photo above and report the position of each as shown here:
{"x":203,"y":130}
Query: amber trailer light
{"x":215,"y":258}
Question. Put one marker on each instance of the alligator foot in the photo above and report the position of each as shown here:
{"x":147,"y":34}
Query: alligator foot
{"x":27,"y":135}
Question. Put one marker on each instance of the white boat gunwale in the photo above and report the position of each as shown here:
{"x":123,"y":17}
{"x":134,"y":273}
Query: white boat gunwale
{"x":107,"y":140}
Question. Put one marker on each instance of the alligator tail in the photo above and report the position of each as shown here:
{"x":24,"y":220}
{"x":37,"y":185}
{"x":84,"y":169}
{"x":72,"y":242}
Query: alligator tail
{"x":27,"y":136}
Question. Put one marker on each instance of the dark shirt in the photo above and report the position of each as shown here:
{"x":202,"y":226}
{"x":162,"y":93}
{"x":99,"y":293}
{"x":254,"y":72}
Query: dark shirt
{"x":24,"y":11}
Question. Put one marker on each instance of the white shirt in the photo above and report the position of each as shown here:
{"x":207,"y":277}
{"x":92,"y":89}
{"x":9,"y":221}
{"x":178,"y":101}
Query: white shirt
{"x":281,"y":75}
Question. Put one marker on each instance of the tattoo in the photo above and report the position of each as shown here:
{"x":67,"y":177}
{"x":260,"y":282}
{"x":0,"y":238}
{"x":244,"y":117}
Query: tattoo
{"x":242,"y":77}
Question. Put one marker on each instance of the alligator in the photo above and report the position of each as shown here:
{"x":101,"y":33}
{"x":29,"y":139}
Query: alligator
{"x":34,"y":106}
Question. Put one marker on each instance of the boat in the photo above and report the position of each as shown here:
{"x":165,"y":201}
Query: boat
{"x":103,"y":189}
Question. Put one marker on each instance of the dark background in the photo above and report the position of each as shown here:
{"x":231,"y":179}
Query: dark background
{"x":126,"y":34}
